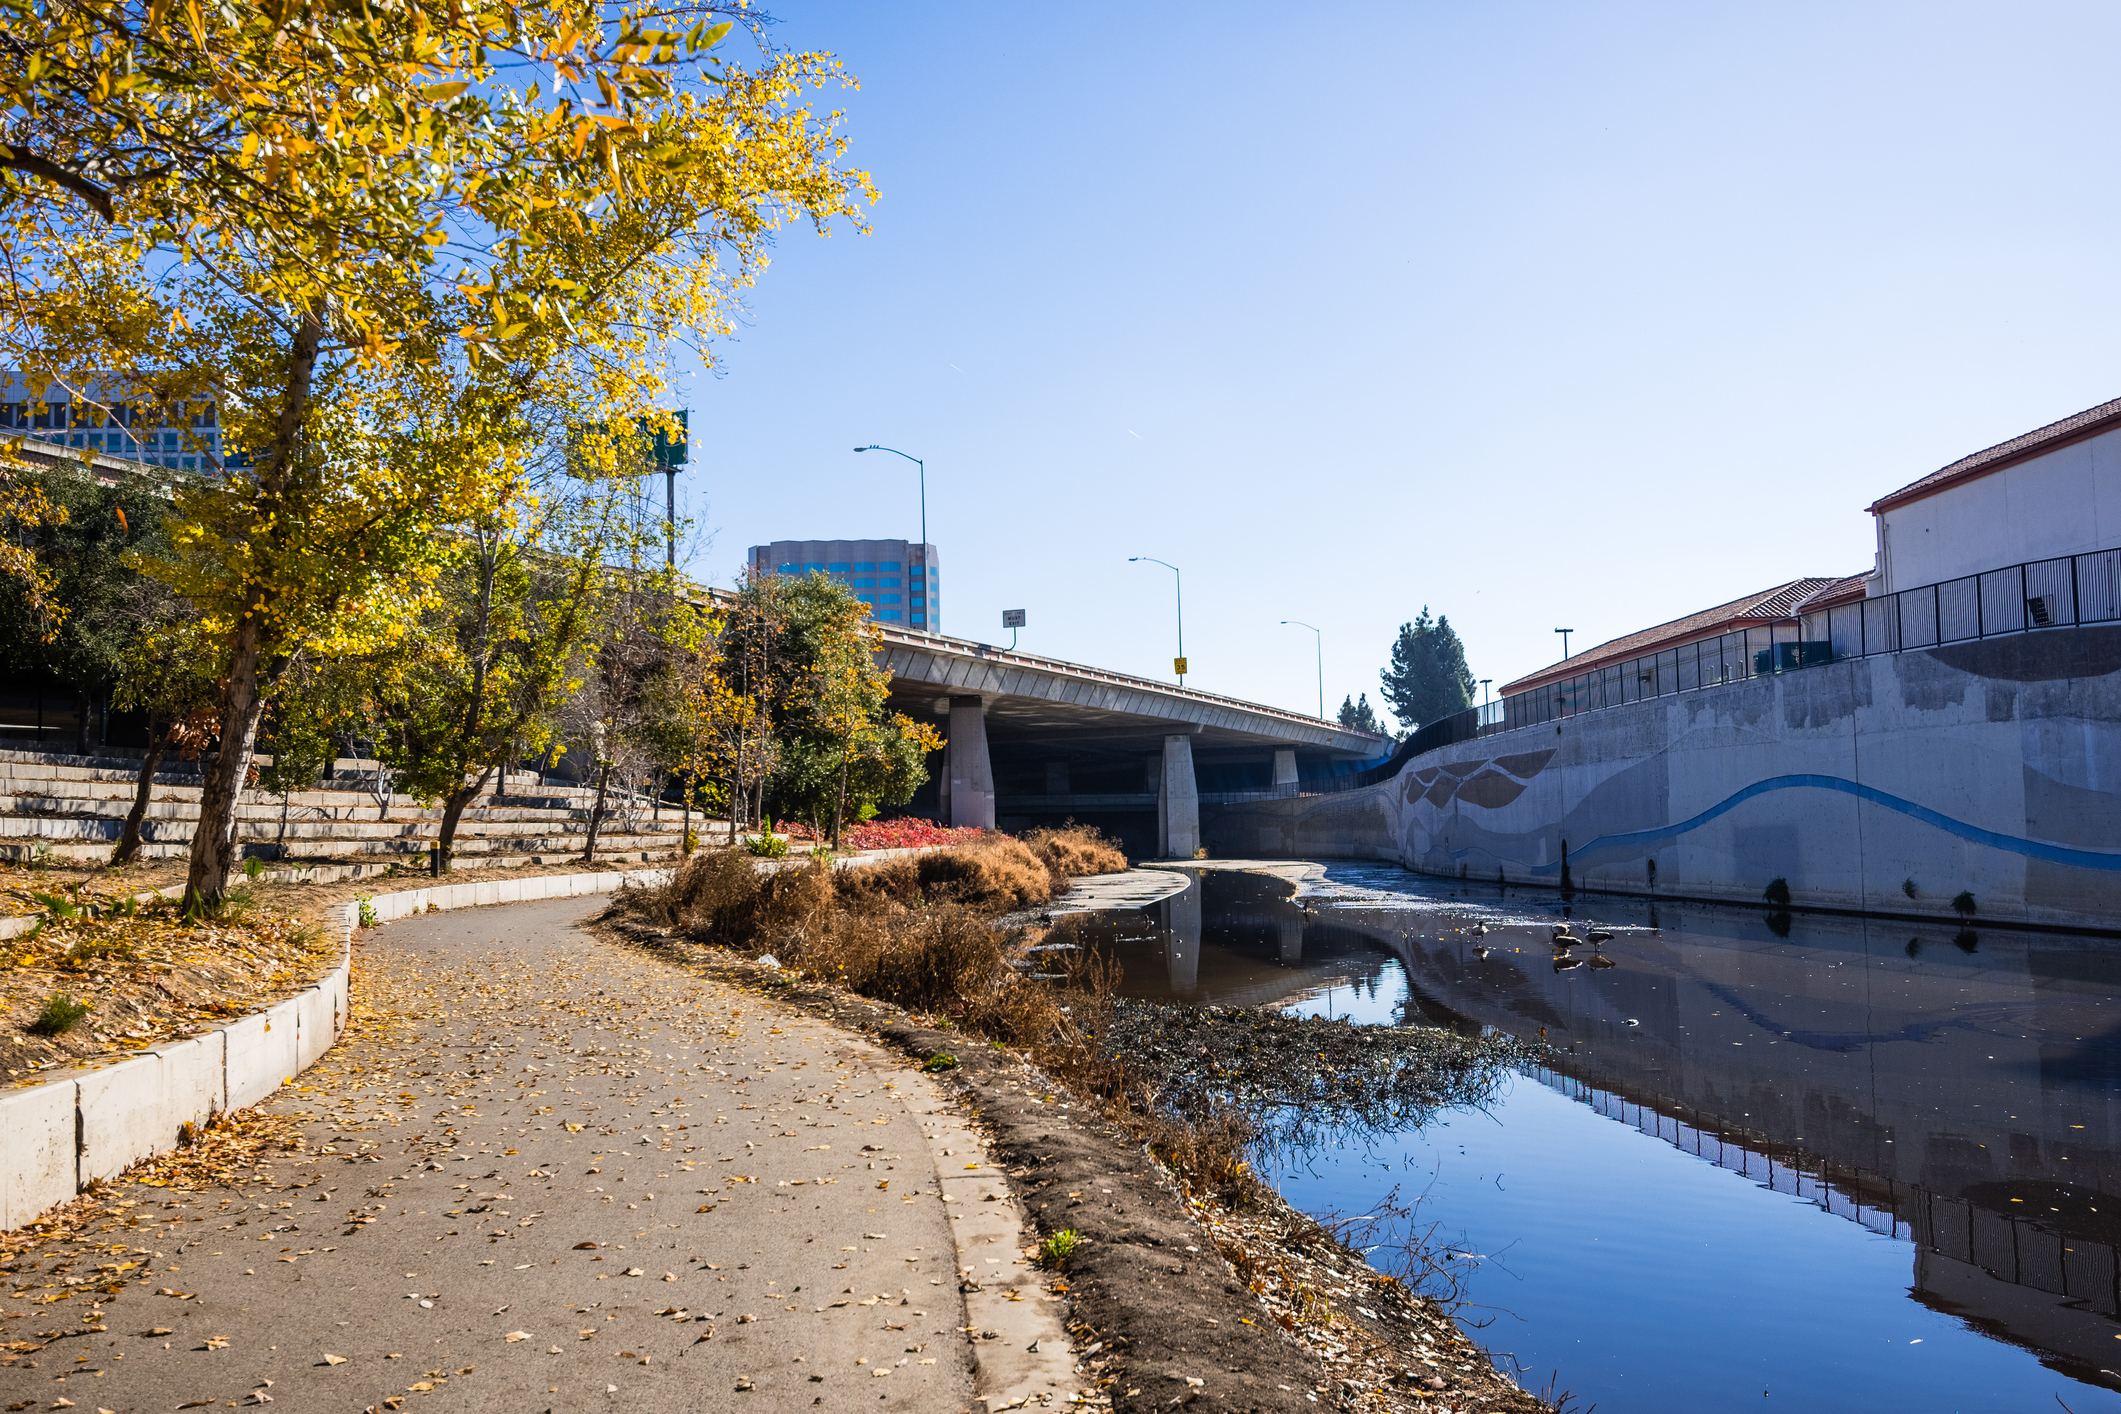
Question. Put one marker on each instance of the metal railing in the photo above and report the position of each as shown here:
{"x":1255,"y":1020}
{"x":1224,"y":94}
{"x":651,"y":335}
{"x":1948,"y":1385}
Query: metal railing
{"x":2040,"y":594}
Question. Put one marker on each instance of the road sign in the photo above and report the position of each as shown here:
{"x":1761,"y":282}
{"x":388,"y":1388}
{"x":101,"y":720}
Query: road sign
{"x":1012,"y":618}
{"x":1179,"y":665}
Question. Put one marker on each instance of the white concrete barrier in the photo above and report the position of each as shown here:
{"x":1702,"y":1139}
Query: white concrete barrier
{"x":58,"y":1137}
{"x":38,"y":1150}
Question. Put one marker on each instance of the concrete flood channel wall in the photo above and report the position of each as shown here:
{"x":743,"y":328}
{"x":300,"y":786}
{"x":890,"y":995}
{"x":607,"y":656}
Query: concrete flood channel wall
{"x":61,"y":1136}
{"x":1991,"y":767}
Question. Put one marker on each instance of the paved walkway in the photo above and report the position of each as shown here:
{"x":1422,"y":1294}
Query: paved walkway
{"x":545,"y":1172}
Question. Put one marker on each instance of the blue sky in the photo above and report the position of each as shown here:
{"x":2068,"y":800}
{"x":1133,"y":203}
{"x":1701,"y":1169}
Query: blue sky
{"x":1538,"y":315}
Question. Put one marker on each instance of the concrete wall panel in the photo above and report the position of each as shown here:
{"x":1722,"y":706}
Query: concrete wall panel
{"x":316,"y":1026}
{"x":128,"y":1112}
{"x":262,"y":1055}
{"x":36,"y":1151}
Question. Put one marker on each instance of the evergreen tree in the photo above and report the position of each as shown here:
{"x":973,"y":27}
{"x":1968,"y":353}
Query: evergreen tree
{"x":1360,"y":716}
{"x":1428,"y":679}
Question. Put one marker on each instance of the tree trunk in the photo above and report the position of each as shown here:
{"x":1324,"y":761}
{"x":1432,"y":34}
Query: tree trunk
{"x":596,"y":811}
{"x":157,"y":747}
{"x":453,"y":806}
{"x":81,"y":717}
{"x":279,"y":847}
{"x":839,"y":808}
{"x":243,"y":696}
{"x":213,"y":842}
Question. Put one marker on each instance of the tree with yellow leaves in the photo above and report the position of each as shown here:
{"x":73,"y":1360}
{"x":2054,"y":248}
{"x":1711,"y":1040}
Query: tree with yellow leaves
{"x":326,"y":217}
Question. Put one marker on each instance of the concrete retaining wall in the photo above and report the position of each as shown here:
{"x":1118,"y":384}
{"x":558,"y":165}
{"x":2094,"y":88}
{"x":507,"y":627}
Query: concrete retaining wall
{"x":58,"y":1137}
{"x":1887,"y":784}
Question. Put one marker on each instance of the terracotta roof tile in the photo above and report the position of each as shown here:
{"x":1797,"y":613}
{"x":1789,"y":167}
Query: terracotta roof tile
{"x":2075,"y":428}
{"x":1773,"y":604}
{"x":1840,"y":591}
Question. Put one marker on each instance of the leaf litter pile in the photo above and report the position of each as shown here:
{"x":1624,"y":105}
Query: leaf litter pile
{"x":104,"y":976}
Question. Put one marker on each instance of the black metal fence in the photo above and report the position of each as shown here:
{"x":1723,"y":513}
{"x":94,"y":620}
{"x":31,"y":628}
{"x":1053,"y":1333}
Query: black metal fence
{"x":2041,"y":594}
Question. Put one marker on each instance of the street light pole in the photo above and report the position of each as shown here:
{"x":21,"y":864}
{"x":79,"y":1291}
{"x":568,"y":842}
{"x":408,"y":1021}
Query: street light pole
{"x":873,"y":447}
{"x":1178,"y":590}
{"x":1319,"y":642}
{"x":1564,"y":632}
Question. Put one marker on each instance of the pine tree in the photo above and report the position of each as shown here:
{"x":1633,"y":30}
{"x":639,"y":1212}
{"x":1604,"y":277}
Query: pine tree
{"x":1361,"y":717}
{"x":1428,"y":679}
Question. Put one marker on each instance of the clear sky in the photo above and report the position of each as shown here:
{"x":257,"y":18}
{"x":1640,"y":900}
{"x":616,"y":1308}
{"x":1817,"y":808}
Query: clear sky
{"x":1539,"y":315}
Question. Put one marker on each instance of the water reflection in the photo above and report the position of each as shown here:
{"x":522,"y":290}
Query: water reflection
{"x":1946,"y":1088}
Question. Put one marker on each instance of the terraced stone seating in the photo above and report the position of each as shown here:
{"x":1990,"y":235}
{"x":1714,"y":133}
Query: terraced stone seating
{"x":75,"y":807}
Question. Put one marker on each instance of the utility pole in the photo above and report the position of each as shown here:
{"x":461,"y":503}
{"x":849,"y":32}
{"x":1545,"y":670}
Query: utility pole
{"x":1564,"y":632}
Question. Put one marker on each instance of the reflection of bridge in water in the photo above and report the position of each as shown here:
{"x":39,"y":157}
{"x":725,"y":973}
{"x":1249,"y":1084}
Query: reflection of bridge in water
{"x":1962,"y":1099}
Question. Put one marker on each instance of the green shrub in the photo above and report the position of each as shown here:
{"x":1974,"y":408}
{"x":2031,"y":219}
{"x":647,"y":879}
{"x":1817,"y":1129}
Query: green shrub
{"x":253,"y":867}
{"x":939,"y":1062}
{"x":1777,"y":893}
{"x":59,"y":1015}
{"x":367,"y":904}
{"x":768,"y":846}
{"x":1055,"y":1251}
{"x":1964,"y":904}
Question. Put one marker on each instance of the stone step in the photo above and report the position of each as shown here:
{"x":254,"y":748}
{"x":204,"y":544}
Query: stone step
{"x":165,"y":806}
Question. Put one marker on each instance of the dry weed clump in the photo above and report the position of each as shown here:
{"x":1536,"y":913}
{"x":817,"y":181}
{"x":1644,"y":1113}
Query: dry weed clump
{"x":1073,"y":851}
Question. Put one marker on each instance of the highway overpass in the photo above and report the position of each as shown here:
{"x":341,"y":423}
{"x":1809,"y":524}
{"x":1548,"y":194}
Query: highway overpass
{"x":1036,"y":740}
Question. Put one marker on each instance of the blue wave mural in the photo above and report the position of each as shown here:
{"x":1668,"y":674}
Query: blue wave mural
{"x":2032,"y":849}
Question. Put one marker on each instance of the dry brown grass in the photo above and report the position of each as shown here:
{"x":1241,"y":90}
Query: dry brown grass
{"x":1073,"y":851}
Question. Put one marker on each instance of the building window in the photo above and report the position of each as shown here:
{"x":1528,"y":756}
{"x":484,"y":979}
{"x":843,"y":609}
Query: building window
{"x":887,"y":598}
{"x":863,"y":583}
{"x":889,"y":565}
{"x":919,"y":617}
{"x":812,"y":569}
{"x":840,"y":568}
{"x":887,"y":583}
{"x":791,"y":569}
{"x":891,"y":614}
{"x":918,"y":598}
{"x":865,"y":566}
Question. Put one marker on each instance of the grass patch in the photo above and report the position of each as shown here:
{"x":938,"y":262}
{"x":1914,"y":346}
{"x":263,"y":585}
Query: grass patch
{"x":59,"y":1015}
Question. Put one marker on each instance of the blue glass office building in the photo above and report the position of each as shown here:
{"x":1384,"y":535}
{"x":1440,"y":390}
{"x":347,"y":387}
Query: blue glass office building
{"x":899,"y":580}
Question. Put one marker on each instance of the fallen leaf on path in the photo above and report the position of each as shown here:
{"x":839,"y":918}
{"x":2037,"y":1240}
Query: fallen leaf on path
{"x":514,"y":1336}
{"x":335,"y":1359}
{"x":585,"y":1247}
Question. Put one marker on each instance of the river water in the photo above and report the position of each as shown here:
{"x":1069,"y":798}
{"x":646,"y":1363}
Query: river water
{"x":1799,"y":1162}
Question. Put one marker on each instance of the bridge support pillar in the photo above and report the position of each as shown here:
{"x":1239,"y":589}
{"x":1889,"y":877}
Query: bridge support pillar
{"x":1292,"y":940}
{"x":1285,"y":765}
{"x":971,"y":771}
{"x":1178,"y":802}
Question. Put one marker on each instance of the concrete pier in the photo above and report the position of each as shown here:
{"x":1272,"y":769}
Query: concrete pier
{"x":1178,"y":801}
{"x":971,"y":773}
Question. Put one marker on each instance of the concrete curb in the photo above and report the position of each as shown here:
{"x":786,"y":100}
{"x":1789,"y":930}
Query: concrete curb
{"x":61,"y":1136}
